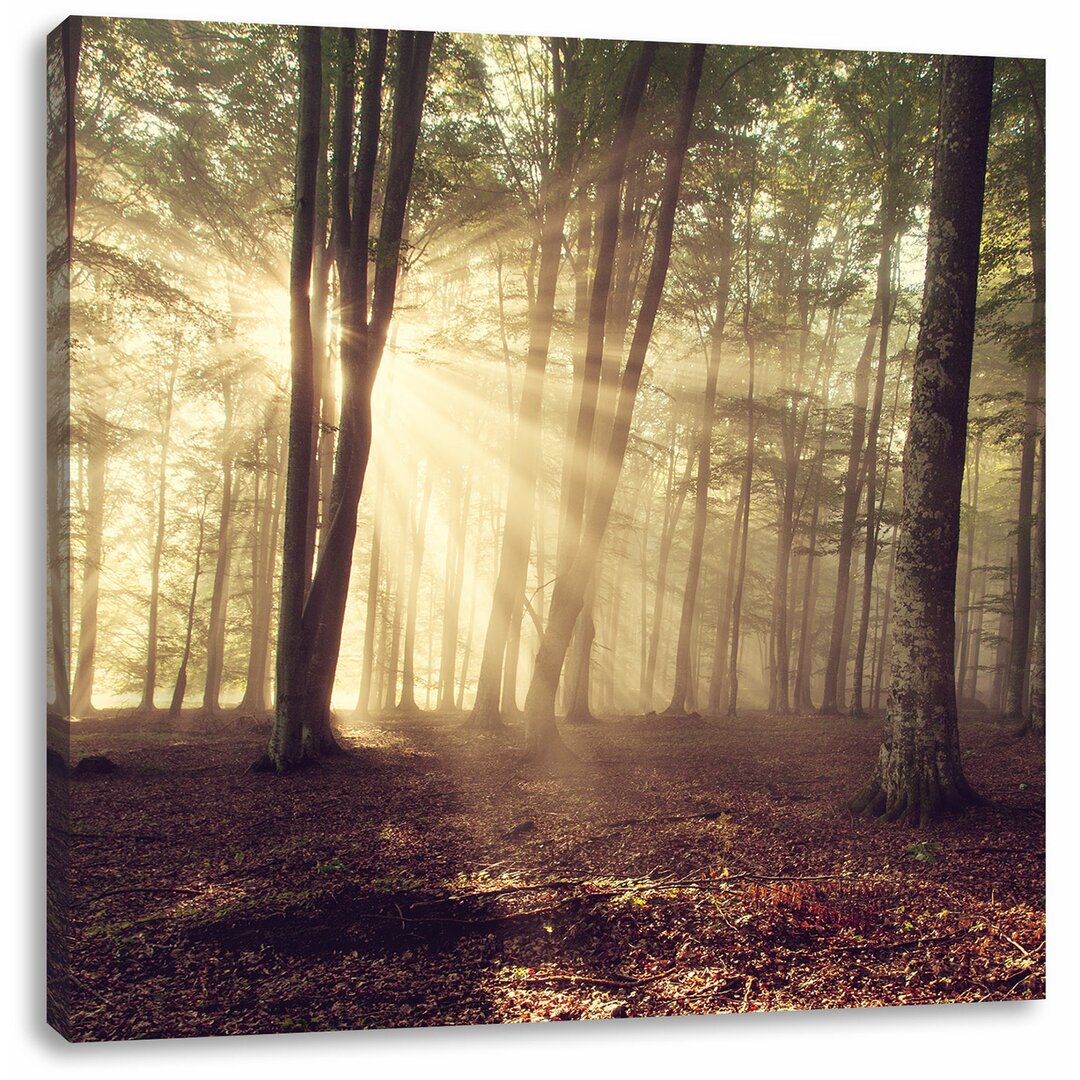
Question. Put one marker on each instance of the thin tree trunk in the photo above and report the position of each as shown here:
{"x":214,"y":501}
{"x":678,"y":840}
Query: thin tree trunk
{"x":1015,"y":699}
{"x":870,"y":462}
{"x":883,"y":635}
{"x":963,"y":613}
{"x":150,"y":679}
{"x":58,"y":428}
{"x":832,"y":701}
{"x":97,"y":442}
{"x":219,"y":599}
{"x":672,"y":513}
{"x":407,"y":704}
{"x":682,"y":688}
{"x":747,"y":479}
{"x":1036,"y":722}
{"x":363,"y":340}
{"x":525,"y":451}
{"x":542,"y":740}
{"x":177,"y":702}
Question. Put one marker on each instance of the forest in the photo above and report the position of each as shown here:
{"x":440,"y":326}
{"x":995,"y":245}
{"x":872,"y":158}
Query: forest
{"x":539,"y":528}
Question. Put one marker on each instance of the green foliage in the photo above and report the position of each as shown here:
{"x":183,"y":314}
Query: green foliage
{"x":924,"y":851}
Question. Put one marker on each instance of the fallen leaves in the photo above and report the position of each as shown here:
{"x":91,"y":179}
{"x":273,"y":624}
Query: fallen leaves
{"x":422,"y":880}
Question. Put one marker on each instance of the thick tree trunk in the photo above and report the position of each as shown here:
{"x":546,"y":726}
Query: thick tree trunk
{"x":363,"y":341}
{"x":285,"y":750}
{"x":919,"y":773}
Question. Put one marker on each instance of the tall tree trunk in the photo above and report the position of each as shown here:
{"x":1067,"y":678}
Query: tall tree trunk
{"x":177,"y":702}
{"x":748,"y":474}
{"x":58,"y":427}
{"x":870,"y":462}
{"x":455,"y":582}
{"x":219,"y":599}
{"x":146,"y":704}
{"x":964,"y":609}
{"x":264,"y":556}
{"x":1036,"y":721}
{"x":407,"y":704}
{"x":883,"y":633}
{"x":681,"y":691}
{"x":1015,"y":699}
{"x":832,"y":699}
{"x":542,"y":740}
{"x":676,"y":496}
{"x":363,"y":340}
{"x":919,"y":772}
{"x":285,"y":748}
{"x":525,"y":450}
{"x":96,"y":450}
{"x":803,"y":702}
{"x":363,"y":698}
{"x":971,"y":690}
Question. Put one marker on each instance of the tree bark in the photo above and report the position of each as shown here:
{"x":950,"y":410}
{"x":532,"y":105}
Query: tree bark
{"x":407,"y":703}
{"x":219,"y":599}
{"x":525,"y":451}
{"x":919,"y":773}
{"x":1036,"y":722}
{"x":542,"y":740}
{"x":96,"y":452}
{"x":146,"y":704}
{"x":1015,"y":699}
{"x":363,"y":340}
{"x":177,"y":702}
{"x":681,"y":691}
{"x":285,"y":749}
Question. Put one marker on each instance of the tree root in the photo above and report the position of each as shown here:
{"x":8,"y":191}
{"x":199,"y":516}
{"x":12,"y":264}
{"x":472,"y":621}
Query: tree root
{"x":919,"y":803}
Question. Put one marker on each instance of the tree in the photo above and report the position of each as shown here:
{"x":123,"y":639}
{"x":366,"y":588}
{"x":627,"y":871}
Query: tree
{"x":308,"y":649}
{"x":525,"y":451}
{"x":542,"y":738}
{"x":919,"y":773}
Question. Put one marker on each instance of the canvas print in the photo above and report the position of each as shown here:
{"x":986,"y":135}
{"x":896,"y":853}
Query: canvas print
{"x":539,"y":528}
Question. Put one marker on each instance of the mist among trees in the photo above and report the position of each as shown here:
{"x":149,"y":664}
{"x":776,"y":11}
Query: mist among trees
{"x":544,"y":389}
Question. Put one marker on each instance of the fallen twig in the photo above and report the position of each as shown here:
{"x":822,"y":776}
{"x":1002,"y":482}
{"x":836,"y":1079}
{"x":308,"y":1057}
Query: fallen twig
{"x":618,"y":984}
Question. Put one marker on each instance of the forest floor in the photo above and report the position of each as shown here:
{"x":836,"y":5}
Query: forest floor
{"x":683,"y":866}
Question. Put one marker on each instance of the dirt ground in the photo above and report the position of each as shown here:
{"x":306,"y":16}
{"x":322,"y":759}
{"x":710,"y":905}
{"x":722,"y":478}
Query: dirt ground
{"x":683,"y":866}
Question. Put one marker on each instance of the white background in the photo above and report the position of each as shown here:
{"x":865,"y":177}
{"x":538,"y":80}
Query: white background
{"x":1027,"y":1040}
